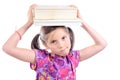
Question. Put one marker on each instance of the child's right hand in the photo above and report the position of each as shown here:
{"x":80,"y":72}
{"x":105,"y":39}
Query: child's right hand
{"x":30,"y":13}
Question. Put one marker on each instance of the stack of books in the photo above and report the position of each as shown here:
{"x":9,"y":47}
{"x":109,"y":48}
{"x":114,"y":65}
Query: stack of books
{"x":55,"y":15}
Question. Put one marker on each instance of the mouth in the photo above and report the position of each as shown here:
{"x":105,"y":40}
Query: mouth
{"x":63,"y":50}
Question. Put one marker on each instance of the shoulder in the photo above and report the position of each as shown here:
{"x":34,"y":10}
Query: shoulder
{"x":75,"y":53}
{"x":74,"y":57}
{"x":40,"y":53}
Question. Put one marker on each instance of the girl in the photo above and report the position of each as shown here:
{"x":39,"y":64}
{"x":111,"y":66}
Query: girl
{"x":61,"y":62}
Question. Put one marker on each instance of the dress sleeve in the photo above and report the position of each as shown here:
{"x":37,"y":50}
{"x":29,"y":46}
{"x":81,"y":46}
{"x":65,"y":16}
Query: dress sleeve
{"x":39,"y":59}
{"x":75,"y":58}
{"x":33,"y":66}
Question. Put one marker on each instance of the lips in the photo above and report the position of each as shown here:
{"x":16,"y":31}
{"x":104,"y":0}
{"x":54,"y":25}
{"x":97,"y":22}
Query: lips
{"x":63,"y":50}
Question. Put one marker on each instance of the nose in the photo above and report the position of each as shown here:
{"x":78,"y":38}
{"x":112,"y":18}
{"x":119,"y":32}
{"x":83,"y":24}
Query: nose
{"x":61,"y":44}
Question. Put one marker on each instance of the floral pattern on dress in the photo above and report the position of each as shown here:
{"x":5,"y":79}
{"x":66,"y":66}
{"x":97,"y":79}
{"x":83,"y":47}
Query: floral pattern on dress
{"x":49,"y":67}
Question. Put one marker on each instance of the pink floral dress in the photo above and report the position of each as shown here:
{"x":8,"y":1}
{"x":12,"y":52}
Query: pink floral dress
{"x":49,"y":67}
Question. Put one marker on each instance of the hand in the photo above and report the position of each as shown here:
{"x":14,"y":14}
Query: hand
{"x":31,"y":13}
{"x":78,"y":13}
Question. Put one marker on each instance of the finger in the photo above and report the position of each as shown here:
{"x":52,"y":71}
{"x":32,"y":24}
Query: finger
{"x":73,"y":6}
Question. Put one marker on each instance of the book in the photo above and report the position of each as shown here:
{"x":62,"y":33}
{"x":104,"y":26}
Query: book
{"x":55,"y":15}
{"x":76,"y":22}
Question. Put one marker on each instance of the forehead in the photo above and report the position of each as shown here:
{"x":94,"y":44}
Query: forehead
{"x":57,"y":33}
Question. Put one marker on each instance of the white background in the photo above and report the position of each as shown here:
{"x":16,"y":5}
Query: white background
{"x":102,"y":15}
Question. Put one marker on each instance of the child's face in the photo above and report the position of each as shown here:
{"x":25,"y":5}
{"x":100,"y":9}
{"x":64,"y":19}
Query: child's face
{"x":58,"y":41}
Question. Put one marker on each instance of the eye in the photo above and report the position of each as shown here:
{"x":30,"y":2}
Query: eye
{"x":53,"y":41}
{"x":64,"y":37}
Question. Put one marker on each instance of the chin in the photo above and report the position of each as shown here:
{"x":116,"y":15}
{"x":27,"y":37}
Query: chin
{"x":64,"y":54}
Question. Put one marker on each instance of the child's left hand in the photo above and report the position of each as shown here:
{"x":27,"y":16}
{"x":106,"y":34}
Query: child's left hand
{"x":78,"y":12}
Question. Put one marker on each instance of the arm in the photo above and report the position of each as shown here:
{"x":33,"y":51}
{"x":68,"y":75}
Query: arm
{"x":10,"y":45}
{"x":99,"y":42}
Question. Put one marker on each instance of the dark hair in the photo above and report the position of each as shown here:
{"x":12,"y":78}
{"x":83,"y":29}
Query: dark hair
{"x":46,"y":30}
{"x":35,"y":42}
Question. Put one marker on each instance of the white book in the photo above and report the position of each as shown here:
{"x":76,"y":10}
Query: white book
{"x":55,"y":13}
{"x":54,"y":7}
{"x":57,"y":22}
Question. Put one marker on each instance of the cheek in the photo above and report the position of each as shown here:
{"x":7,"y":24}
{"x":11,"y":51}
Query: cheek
{"x":68,"y":42}
{"x":67,"y":46}
{"x":53,"y":47}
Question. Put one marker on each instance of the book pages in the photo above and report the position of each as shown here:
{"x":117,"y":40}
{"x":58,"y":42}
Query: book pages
{"x":56,"y":15}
